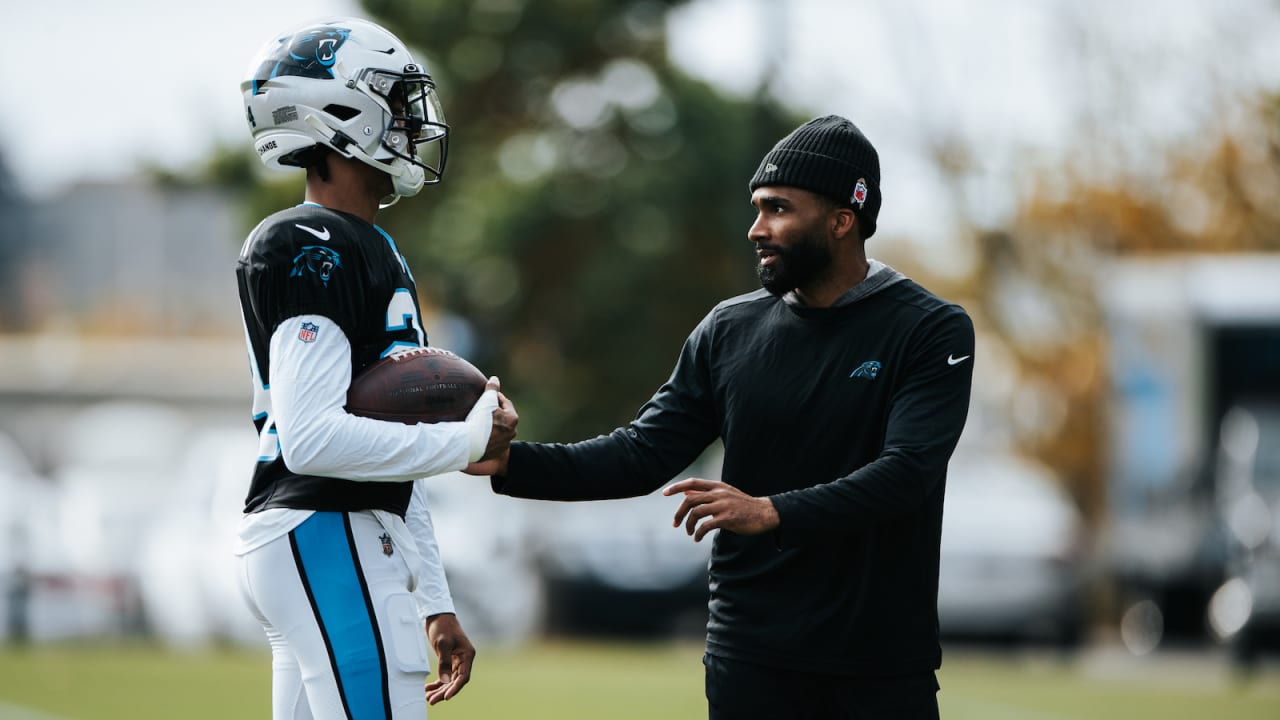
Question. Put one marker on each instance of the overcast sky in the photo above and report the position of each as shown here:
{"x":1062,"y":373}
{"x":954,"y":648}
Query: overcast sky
{"x":93,"y":89}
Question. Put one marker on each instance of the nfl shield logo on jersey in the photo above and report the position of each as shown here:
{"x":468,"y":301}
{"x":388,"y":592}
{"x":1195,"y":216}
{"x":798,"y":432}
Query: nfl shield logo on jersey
{"x":308,"y":332}
{"x":386,"y":544}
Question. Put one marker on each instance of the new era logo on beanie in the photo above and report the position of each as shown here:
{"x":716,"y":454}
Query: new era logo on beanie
{"x":830,"y":156}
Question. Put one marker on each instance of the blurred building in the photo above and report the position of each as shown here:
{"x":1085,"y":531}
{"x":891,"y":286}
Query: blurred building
{"x":116,"y":290}
{"x":1191,"y":338}
{"x":120,"y":340}
{"x":128,"y":256}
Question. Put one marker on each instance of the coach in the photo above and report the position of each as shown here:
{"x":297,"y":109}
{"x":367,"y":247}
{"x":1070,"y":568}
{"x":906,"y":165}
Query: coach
{"x":839,"y":390}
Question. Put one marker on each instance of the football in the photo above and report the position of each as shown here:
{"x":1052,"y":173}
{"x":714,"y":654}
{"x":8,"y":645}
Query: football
{"x":419,"y":385}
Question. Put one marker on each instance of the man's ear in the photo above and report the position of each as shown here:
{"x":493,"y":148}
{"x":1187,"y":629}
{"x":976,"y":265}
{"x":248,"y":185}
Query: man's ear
{"x":844,"y":223}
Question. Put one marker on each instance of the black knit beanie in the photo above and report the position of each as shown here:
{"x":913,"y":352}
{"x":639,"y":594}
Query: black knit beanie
{"x":830,"y":156}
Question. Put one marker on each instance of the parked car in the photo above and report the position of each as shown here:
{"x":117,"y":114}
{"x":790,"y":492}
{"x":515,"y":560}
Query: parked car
{"x":19,"y":487}
{"x":188,"y":574}
{"x":1245,"y":611}
{"x":78,"y":531}
{"x":1164,"y":560}
{"x":617,"y":567}
{"x":484,"y":542}
{"x":1013,"y":555}
{"x":63,"y":573}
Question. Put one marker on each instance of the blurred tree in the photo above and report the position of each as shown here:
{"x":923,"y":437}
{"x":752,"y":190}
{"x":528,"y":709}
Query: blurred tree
{"x":1035,"y":279}
{"x":1215,"y":195}
{"x":595,"y":205}
{"x":15,"y":252}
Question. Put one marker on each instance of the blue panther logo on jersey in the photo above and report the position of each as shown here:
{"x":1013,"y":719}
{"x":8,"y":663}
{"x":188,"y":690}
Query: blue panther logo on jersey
{"x":868,"y":370}
{"x":316,"y":259}
{"x":310,"y":54}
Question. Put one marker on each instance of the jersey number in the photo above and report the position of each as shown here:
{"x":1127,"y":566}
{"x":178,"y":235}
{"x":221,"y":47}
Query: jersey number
{"x":402,"y":314}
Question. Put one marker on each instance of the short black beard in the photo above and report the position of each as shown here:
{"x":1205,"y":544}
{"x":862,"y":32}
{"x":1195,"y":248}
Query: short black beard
{"x":798,"y":265}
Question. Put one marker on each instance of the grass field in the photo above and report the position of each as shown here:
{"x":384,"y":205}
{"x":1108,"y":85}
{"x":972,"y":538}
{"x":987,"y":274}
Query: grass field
{"x":564,"y":680}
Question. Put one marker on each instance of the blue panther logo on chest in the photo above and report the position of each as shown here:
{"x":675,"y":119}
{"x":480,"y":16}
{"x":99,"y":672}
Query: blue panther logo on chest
{"x":316,"y":259}
{"x":869,"y":370}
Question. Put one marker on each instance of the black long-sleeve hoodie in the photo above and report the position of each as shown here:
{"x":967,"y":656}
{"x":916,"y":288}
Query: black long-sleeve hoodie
{"x":845,"y":417}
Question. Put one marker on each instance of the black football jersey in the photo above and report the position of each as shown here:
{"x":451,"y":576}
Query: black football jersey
{"x":310,"y":260}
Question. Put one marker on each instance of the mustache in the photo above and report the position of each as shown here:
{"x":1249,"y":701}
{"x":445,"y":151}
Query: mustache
{"x":770,"y":247}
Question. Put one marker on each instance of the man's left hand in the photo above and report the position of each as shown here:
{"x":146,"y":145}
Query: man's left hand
{"x":724,"y":507}
{"x":454,"y":655}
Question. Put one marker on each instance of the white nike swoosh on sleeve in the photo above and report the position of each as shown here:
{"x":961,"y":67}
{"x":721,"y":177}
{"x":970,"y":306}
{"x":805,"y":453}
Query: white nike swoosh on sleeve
{"x":322,"y":233}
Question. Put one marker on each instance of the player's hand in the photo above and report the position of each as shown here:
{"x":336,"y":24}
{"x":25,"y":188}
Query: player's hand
{"x":505,"y":420}
{"x":723,"y":506}
{"x":454,"y":656}
{"x":502,"y":432}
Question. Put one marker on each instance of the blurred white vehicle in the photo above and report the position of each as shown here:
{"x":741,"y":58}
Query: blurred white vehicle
{"x":187,"y":571}
{"x":20,"y":488}
{"x":117,"y":462}
{"x":485,"y":544}
{"x":41,"y":597}
{"x":1013,"y":554}
{"x":1244,"y":612}
{"x":618,"y":567}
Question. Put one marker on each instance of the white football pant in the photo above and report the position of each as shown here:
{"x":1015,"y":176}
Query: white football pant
{"x":346,"y":640}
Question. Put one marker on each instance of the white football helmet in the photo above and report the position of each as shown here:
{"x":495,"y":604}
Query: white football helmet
{"x":351,"y":86}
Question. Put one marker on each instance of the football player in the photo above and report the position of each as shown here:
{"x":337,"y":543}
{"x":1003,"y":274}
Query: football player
{"x":339,"y":559}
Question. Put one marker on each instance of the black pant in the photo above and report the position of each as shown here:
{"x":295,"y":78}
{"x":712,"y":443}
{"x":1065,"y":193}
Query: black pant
{"x":739,"y":690}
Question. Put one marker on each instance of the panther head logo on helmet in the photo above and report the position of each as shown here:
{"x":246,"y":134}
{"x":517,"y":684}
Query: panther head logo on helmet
{"x":310,"y":53}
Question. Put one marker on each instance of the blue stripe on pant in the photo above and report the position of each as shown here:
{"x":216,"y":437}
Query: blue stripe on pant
{"x":331,"y":574}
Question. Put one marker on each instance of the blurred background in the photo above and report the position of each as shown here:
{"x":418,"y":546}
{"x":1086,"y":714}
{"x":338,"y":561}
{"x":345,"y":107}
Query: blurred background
{"x":1097,"y":183}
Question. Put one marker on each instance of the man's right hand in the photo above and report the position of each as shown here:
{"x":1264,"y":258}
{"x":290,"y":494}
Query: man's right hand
{"x":503,"y":431}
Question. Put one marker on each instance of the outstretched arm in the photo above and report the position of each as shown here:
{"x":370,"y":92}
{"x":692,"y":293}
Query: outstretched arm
{"x":668,"y":434}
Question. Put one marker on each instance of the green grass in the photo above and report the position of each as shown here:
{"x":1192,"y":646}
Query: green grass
{"x":1097,"y":687}
{"x":563,"y":680}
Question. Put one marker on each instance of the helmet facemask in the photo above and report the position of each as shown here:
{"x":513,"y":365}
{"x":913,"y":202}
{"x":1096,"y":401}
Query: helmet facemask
{"x":416,"y":138}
